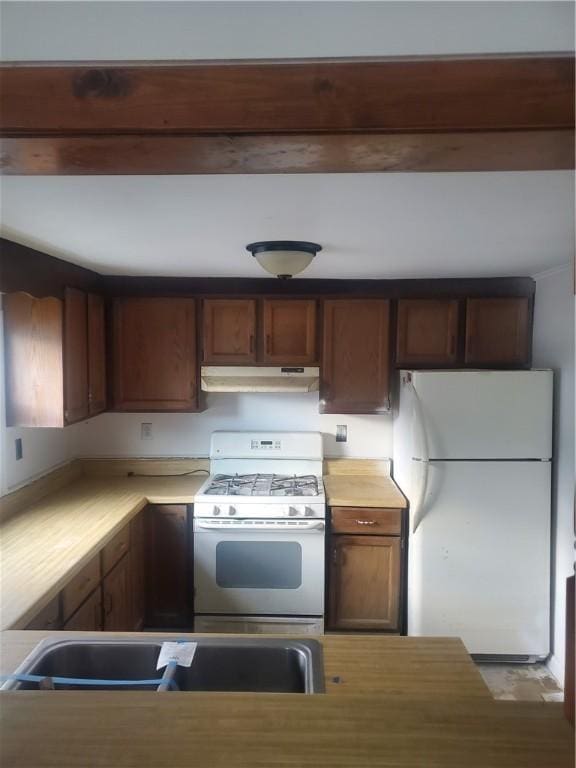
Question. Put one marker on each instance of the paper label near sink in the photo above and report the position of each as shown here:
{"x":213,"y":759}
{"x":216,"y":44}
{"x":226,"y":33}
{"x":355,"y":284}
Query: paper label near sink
{"x":179,"y":653}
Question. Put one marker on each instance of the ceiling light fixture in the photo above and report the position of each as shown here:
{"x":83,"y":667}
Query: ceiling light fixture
{"x":284,"y":258}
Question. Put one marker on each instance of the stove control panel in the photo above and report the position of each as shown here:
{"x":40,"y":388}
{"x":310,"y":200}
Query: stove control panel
{"x":266,"y":445}
{"x":270,"y":511}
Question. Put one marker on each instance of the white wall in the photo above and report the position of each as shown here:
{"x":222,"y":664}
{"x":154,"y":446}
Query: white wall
{"x":118,"y":434}
{"x":554,"y":348}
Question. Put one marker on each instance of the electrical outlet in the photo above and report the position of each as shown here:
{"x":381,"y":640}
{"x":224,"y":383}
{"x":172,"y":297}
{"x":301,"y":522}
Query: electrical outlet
{"x":341,"y":433}
{"x":18,"y":448}
{"x":146,"y":431}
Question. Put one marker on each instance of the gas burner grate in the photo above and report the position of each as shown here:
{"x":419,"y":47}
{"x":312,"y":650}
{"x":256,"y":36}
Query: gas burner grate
{"x":264,"y":485}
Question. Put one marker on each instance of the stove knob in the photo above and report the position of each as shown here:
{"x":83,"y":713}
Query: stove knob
{"x":232,"y":510}
{"x":292,"y":511}
{"x":308,"y":512}
{"x":216,"y":511}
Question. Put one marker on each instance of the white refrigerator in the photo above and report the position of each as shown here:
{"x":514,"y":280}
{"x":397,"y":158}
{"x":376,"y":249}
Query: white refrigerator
{"x":472,"y":452}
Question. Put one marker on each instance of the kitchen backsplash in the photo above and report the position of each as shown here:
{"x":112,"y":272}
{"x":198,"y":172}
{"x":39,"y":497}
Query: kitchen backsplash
{"x":173,"y":434}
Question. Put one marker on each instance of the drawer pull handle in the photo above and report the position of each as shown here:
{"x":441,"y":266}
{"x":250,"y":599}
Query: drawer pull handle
{"x":366,"y":522}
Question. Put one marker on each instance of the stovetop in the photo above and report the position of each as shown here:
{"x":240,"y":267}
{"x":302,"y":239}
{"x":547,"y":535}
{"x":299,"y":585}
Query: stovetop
{"x":260,"y":484}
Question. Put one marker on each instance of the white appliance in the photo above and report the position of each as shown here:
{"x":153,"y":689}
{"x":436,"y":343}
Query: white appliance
{"x":259,"y":524}
{"x":472,"y":452}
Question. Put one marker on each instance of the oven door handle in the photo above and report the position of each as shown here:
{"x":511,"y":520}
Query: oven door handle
{"x":311,"y":526}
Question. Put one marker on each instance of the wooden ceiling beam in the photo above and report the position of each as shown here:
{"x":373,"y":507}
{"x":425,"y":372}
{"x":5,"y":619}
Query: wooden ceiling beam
{"x":313,"y":116}
{"x":307,"y":153}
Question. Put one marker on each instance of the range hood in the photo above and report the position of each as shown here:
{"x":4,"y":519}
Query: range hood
{"x":216,"y":378}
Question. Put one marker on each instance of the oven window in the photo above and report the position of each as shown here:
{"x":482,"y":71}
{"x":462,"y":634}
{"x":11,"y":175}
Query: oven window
{"x":259,"y":564}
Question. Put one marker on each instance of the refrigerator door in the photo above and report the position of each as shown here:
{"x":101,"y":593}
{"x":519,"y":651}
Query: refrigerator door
{"x":479,"y":563}
{"x":479,"y":414}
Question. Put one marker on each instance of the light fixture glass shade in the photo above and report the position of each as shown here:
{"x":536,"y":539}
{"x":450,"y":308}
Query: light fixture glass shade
{"x":284,"y":258}
{"x":284,"y":263}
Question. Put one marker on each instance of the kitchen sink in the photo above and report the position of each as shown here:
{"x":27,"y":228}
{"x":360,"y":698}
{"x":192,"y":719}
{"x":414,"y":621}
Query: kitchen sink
{"x":262,"y":665}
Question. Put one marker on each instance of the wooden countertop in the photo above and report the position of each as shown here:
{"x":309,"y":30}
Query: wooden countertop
{"x":398,"y":710}
{"x":436,"y":667}
{"x":45,"y":545}
{"x":363,"y":491}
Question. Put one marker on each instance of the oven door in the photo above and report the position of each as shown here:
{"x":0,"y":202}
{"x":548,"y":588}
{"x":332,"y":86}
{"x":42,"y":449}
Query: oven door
{"x":259,"y":567}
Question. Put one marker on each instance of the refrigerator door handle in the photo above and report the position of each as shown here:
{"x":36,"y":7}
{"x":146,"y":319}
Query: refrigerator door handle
{"x":418,"y":508}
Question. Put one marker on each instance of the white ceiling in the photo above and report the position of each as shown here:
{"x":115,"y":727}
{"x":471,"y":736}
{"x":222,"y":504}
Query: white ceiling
{"x":210,"y":30}
{"x":378,"y":225}
{"x":370,"y":225}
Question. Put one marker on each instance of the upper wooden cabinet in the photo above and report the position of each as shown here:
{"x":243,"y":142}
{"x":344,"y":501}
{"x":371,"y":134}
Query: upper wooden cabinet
{"x":96,"y":355}
{"x":498,"y":332}
{"x":229,"y":331}
{"x":50,"y":348}
{"x":289,"y":327}
{"x":427,"y":332}
{"x":355,"y":374}
{"x":286,"y":334}
{"x":154,"y":342}
{"x":75,"y":355}
{"x":33,"y":330}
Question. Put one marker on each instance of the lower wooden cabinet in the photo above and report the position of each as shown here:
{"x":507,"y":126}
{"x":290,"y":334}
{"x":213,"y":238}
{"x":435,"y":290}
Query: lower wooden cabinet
{"x":78,"y":589}
{"x":138,"y":571}
{"x":168,"y":566}
{"x":88,"y":618}
{"x":48,"y":617}
{"x":365,"y":580}
{"x":117,"y":598}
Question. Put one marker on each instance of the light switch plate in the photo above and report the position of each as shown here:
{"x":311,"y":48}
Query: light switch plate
{"x":146,"y":431}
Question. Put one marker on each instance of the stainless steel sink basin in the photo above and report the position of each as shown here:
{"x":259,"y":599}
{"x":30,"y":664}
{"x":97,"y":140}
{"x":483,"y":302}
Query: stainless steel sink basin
{"x":219,"y":664}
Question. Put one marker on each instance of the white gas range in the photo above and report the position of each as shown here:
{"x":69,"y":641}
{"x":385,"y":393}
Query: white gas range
{"x":259,"y":523}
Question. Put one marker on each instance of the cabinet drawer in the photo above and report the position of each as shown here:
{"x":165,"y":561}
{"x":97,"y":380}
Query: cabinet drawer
{"x":48,"y":617}
{"x":115,"y":549}
{"x":375,"y":521}
{"x":74,"y":594}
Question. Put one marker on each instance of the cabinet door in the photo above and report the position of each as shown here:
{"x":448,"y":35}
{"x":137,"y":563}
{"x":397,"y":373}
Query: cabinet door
{"x":229,"y":331}
{"x":88,"y":618}
{"x":117,"y":598}
{"x":96,"y":355}
{"x":168,"y":566}
{"x":75,"y":355}
{"x":48,"y":617}
{"x":78,"y":589}
{"x":289,"y":331}
{"x":115,"y":550}
{"x":498,"y":332}
{"x":356,"y":356}
{"x":365,"y":582}
{"x":137,"y":564}
{"x":427,"y":332}
{"x":34,"y":364}
{"x":154,"y":343}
